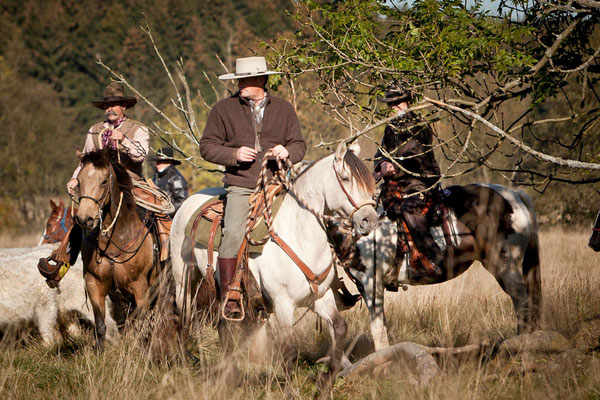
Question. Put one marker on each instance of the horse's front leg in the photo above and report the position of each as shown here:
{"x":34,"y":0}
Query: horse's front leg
{"x":97,"y":292}
{"x":284,"y":313}
{"x":140,"y":290}
{"x":374,"y":297}
{"x":327,"y":309}
{"x":510,"y":278}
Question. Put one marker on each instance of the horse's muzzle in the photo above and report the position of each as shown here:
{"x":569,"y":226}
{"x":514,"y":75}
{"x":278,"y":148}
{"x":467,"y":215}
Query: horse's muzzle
{"x":365,"y":220}
{"x":87,"y":223}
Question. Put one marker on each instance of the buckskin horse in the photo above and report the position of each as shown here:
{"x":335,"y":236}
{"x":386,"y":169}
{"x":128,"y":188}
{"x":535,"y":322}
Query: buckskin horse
{"x":595,"y":238}
{"x":488,"y":223}
{"x":118,"y":247}
{"x":58,"y":224}
{"x":338,"y":183}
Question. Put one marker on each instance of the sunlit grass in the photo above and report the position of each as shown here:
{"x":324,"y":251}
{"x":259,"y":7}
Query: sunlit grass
{"x":470,"y":309}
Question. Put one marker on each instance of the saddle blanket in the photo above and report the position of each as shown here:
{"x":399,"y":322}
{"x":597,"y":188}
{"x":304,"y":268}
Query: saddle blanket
{"x":203,"y":227}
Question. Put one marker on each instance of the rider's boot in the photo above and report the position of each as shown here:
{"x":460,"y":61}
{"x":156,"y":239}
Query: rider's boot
{"x":163,"y":224}
{"x":227,"y":267}
{"x":63,"y":257}
{"x":419,"y":230}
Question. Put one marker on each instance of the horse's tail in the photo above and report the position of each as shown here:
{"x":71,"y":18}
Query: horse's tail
{"x":531,"y":266}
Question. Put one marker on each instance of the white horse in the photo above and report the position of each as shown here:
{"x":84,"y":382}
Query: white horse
{"x":339,"y":183}
{"x":492,"y":224}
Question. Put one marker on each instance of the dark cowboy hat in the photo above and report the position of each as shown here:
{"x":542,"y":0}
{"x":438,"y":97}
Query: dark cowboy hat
{"x":166,"y":155}
{"x":113,"y":94}
{"x":396,"y":94}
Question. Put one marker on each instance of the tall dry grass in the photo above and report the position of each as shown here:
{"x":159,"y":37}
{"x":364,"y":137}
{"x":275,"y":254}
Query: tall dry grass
{"x":469,"y":309}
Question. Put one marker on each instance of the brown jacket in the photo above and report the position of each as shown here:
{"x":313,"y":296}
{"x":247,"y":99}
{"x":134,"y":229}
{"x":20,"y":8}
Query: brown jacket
{"x":409,"y":138}
{"x":229,"y":127}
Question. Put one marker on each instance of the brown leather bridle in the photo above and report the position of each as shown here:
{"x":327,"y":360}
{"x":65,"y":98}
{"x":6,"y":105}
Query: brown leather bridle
{"x":356,"y":206}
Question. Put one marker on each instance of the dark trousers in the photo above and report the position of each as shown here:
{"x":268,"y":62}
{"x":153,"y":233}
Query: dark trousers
{"x":411,"y":210}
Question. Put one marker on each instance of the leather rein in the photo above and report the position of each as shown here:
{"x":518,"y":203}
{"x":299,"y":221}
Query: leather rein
{"x":314,"y":279}
{"x":105,"y":231}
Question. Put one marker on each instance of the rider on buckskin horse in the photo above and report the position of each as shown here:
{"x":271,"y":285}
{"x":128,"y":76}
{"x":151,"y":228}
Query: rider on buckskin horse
{"x":408,"y":166}
{"x":125,"y":135}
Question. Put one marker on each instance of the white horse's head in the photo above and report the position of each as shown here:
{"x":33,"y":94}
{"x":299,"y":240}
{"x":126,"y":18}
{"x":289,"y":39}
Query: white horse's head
{"x":341,"y":184}
{"x":353,"y":196}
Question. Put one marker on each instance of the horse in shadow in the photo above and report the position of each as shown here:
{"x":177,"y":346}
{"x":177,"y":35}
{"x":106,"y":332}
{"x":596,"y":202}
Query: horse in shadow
{"x":488,"y":223}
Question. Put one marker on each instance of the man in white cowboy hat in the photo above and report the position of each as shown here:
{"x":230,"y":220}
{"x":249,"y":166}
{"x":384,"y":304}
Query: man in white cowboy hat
{"x":169,"y":179}
{"x":240,"y":131}
{"x":119,"y":132}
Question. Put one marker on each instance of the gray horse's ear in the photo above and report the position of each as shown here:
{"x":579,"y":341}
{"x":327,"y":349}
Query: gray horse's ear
{"x":340,"y":152}
{"x":355,"y":148}
{"x":78,"y":153}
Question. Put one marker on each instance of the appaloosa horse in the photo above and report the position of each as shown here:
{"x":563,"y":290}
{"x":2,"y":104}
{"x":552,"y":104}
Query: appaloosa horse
{"x":58,"y":224}
{"x":338,"y":183}
{"x":490,"y":223}
{"x":118,"y":247}
{"x":595,"y":238}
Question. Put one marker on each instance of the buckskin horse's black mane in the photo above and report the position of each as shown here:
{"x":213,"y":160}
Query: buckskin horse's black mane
{"x":106,"y":157}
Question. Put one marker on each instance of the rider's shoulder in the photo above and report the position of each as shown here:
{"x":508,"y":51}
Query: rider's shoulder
{"x":132,"y":123}
{"x":97,"y":127}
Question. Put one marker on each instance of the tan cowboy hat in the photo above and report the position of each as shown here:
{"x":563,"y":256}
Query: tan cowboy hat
{"x":248,"y":67}
{"x":113,"y":93}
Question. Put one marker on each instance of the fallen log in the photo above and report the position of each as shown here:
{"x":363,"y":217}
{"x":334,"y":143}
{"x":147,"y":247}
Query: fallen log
{"x":423,"y":363}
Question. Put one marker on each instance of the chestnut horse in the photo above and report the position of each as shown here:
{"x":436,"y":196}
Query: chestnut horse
{"x":118,"y":246}
{"x":58,"y":224}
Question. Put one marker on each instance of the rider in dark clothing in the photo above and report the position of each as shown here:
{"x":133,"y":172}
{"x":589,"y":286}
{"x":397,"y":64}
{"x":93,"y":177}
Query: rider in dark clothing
{"x":169,"y":179}
{"x":408,"y":167}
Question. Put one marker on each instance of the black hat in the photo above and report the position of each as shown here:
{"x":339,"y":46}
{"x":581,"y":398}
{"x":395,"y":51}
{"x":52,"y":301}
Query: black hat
{"x":114,"y":94}
{"x":166,"y":155}
{"x":396,"y":94}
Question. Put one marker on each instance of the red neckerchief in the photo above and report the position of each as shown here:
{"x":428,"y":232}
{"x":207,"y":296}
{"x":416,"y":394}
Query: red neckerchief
{"x":106,"y":135}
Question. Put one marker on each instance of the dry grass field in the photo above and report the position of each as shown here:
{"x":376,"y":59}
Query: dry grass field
{"x":470,"y":309}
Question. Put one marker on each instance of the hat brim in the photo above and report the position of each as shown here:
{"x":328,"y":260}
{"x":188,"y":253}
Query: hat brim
{"x":395,"y":99}
{"x":169,"y":160}
{"x":128,"y":102}
{"x":242,"y":76}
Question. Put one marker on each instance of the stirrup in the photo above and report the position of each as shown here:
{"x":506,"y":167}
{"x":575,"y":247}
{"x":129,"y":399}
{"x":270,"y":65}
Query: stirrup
{"x":52,"y":272}
{"x":240,"y":304}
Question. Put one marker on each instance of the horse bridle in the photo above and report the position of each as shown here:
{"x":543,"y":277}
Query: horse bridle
{"x":101,"y":199}
{"x":356,"y":206}
{"x":63,"y":226}
{"x":97,"y":201}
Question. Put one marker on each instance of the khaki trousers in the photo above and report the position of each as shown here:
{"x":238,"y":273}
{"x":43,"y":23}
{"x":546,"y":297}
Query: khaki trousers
{"x":236,"y":214}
